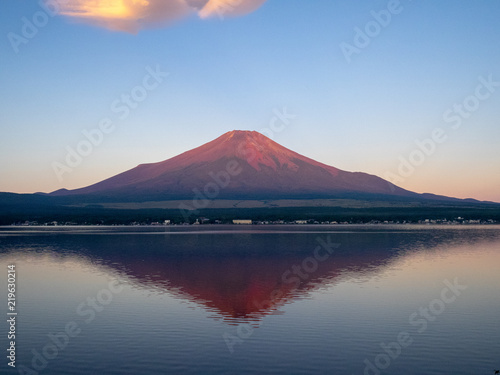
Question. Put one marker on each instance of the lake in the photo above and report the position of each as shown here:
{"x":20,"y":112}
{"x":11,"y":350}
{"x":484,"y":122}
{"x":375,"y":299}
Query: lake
{"x":301,"y":299}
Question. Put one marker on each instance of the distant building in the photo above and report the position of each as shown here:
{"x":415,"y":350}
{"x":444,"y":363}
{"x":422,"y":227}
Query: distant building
{"x":166,"y":222}
{"x":300,"y":221}
{"x":247,"y":222}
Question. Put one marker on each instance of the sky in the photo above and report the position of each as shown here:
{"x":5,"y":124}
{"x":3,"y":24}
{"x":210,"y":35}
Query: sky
{"x":405,"y":90}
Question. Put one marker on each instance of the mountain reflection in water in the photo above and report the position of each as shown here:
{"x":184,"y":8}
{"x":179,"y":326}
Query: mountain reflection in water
{"x":240,"y":276}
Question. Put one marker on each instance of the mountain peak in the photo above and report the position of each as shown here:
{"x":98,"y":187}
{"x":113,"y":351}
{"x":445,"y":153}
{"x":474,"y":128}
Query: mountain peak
{"x":240,"y":133}
{"x":256,"y":149}
{"x":265,"y":169}
{"x":245,"y":136}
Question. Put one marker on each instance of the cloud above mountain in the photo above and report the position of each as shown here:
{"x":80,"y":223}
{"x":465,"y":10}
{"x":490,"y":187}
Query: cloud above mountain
{"x":133,"y":15}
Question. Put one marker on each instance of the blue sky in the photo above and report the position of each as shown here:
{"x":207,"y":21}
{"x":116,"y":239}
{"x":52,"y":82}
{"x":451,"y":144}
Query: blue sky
{"x":234,"y":73}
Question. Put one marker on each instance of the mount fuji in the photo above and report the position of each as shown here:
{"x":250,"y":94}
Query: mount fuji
{"x":239,"y":165}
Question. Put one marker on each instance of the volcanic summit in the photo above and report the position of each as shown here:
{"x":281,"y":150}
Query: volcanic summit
{"x":245,"y":165}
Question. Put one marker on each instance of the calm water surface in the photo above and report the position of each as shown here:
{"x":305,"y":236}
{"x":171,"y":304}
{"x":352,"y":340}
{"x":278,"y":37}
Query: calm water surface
{"x":254,"y":300}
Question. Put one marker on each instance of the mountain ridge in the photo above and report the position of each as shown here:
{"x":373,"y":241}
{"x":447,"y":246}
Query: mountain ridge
{"x":264,"y":167}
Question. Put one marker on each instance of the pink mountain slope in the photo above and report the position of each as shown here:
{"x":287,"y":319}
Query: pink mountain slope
{"x":244,"y":165}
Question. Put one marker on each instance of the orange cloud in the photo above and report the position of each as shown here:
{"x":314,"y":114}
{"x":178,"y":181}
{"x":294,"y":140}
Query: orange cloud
{"x":134,"y":15}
